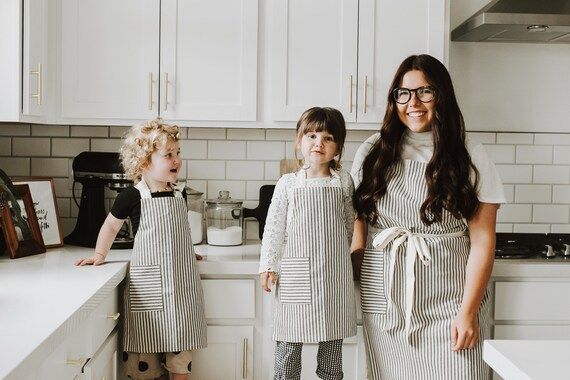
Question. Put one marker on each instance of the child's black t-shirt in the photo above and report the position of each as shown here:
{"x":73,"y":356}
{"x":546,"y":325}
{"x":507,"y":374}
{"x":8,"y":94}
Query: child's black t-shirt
{"x":128,"y":204}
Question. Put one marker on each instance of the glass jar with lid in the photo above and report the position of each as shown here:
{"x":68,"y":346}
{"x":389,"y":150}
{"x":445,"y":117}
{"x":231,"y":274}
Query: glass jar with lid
{"x":195,"y":203}
{"x":224,"y":220}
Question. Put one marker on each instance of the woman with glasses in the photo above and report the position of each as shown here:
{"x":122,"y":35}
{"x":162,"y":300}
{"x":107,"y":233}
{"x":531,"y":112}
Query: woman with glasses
{"x":427,"y":200}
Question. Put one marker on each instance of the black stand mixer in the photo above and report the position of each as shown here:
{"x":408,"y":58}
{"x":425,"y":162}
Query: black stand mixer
{"x":95,"y":171}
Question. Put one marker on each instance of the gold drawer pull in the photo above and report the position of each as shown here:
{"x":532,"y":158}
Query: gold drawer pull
{"x":114,"y":317}
{"x":244,"y":363}
{"x":76,"y":362}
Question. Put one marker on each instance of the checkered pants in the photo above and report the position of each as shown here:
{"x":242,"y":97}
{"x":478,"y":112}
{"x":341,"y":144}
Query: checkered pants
{"x":288,"y":360}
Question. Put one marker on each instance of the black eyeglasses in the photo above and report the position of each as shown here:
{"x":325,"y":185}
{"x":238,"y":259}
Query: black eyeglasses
{"x":403,"y":95}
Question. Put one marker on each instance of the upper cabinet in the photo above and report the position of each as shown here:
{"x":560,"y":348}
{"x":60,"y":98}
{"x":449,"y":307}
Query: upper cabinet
{"x":25,"y":70}
{"x":344,"y":53}
{"x":139,"y":59}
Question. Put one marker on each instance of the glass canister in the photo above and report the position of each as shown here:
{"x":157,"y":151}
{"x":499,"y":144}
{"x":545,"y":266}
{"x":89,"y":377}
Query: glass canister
{"x":224,"y":220}
{"x":195,"y":203}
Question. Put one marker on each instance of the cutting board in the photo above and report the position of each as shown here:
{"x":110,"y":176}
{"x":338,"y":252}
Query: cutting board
{"x":288,"y":166}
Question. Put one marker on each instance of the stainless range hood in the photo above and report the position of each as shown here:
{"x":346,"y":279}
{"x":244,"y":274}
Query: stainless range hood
{"x":543,"y":21}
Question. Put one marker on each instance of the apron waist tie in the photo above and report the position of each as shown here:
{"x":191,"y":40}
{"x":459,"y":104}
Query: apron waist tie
{"x":416,"y":247}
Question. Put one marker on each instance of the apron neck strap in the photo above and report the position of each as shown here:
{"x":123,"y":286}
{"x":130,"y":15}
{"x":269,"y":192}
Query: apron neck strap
{"x":143,"y":188}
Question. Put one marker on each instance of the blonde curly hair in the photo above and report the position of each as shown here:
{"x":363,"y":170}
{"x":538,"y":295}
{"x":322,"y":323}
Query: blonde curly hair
{"x":141,"y":141}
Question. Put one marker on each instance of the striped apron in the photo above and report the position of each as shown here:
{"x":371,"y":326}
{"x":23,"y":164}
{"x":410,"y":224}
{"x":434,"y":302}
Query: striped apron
{"x":164,"y":303}
{"x":315,"y":293}
{"x":412,"y":286}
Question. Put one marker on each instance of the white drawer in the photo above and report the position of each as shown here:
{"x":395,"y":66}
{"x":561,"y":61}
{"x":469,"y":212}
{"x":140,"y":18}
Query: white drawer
{"x":532,"y":301}
{"x":532,"y":332}
{"x":68,"y":359}
{"x":104,"y":319}
{"x":103,"y":365}
{"x":229,"y":298}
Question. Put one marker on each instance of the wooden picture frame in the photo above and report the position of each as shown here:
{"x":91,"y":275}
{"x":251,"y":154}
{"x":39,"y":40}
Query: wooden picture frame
{"x":21,"y":236}
{"x":43,"y":196}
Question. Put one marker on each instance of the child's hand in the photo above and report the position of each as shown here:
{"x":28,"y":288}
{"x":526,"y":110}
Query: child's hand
{"x":96,"y":259}
{"x":199,"y":257}
{"x":265,"y":278}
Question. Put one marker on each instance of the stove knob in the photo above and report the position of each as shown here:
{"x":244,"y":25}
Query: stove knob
{"x":567,"y":250}
{"x":549,"y":251}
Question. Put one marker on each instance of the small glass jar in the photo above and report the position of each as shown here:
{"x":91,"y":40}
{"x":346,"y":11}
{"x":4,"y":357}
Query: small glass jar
{"x":195,"y":203}
{"x":224,"y":220}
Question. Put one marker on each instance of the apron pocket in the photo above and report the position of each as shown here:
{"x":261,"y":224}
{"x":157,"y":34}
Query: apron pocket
{"x":295,"y":280}
{"x":372,"y":293}
{"x":145,"y":288}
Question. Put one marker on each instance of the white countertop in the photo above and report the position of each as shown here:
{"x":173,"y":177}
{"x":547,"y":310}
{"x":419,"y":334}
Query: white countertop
{"x":528,"y":359}
{"x":531,"y":268}
{"x":42,"y":295}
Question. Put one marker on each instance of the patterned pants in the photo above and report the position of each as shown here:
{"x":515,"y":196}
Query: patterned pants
{"x":288,"y":360}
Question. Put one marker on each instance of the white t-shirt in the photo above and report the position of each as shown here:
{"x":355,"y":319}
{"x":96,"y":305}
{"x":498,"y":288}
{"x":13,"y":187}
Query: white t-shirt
{"x":419,"y":147}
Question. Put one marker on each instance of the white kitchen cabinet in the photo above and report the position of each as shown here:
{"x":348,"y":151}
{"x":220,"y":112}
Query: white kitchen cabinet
{"x":24,"y":69}
{"x":103,"y":365}
{"x":229,"y":354}
{"x":109,"y":59}
{"x":208,"y":58}
{"x":181,"y":60}
{"x":343,"y":54}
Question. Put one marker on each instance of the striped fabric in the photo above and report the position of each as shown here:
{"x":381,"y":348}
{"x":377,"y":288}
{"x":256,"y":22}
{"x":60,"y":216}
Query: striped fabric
{"x":163,"y":267}
{"x":315,"y":300}
{"x":426,"y":352}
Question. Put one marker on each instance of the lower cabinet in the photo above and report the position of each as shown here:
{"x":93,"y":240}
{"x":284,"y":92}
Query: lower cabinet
{"x":229,"y":354}
{"x":103,"y":365}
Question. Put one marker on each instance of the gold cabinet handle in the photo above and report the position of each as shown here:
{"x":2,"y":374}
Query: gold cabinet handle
{"x":114,"y":317}
{"x":150,"y":82}
{"x":350,"y":94}
{"x":244,"y":363}
{"x":165,"y":91}
{"x":38,"y":95}
{"x":76,"y":362}
{"x":365,"y":91}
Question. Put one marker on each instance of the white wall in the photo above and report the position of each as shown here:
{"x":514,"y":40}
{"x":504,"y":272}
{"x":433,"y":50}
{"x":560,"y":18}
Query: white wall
{"x":509,"y":86}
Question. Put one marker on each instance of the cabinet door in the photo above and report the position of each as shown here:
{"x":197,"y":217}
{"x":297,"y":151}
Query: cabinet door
{"x":313,"y":57}
{"x":34,"y":55}
{"x":209,"y":59}
{"x":103,"y":365}
{"x":390,"y":31}
{"x":229,"y":354}
{"x":109,"y":59}
{"x":353,"y":358}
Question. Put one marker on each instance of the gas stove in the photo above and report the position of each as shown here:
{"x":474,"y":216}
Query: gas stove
{"x":533,"y":246}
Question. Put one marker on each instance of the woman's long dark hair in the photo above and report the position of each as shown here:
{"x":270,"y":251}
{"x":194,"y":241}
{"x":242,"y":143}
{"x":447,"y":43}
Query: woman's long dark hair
{"x":449,"y":170}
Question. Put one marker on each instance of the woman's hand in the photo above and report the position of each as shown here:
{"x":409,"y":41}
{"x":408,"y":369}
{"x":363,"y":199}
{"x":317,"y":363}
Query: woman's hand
{"x":357,"y":257}
{"x":96,"y":259}
{"x":199,"y":257}
{"x":265,"y":278}
{"x":464,"y":331}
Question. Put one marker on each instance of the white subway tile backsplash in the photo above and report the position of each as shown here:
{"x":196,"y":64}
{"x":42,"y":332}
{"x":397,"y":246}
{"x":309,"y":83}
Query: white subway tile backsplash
{"x":106,"y":145}
{"x":504,"y":227}
{"x":118,"y":132}
{"x":51,"y":167}
{"x":194,"y":149}
{"x":272,"y":170}
{"x":515,"y":173}
{"x":63,"y":188}
{"x":280,"y":134}
{"x":246,"y":134}
{"x":515,"y":213}
{"x":15,"y":166}
{"x":14,"y":129}
{"x":551,"y":139}
{"x":290,"y":150}
{"x":501,"y":154}
{"x":246,"y":170}
{"x":550,"y":213}
{"x":358,"y":136}
{"x":533,"y":193}
{"x":68,"y":147}
{"x":482,"y":137}
{"x":560,"y":228}
{"x":87,"y":131}
{"x":31,"y":146}
{"x":553,"y":174}
{"x":561,"y":194}
{"x":252,"y":190}
{"x":50,"y":130}
{"x":5,"y":146}
{"x":251,"y":230}
{"x":562,"y":155}
{"x":227,"y":150}
{"x":515,"y":138}
{"x":206,"y":133}
{"x":531,"y":228}
{"x":236,"y":189}
{"x":350,"y":149}
{"x":534,"y":154}
{"x":265,"y":150}
{"x":199,"y":185}
{"x":63,"y":207}
{"x":206,"y":169}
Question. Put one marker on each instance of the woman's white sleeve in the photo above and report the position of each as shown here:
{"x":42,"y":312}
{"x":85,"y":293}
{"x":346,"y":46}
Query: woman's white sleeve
{"x":274,"y":233}
{"x":348,"y":190}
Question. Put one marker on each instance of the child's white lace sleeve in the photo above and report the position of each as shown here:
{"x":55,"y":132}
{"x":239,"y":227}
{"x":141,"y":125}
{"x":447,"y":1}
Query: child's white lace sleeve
{"x":275,"y":233}
{"x":349,"y":213}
